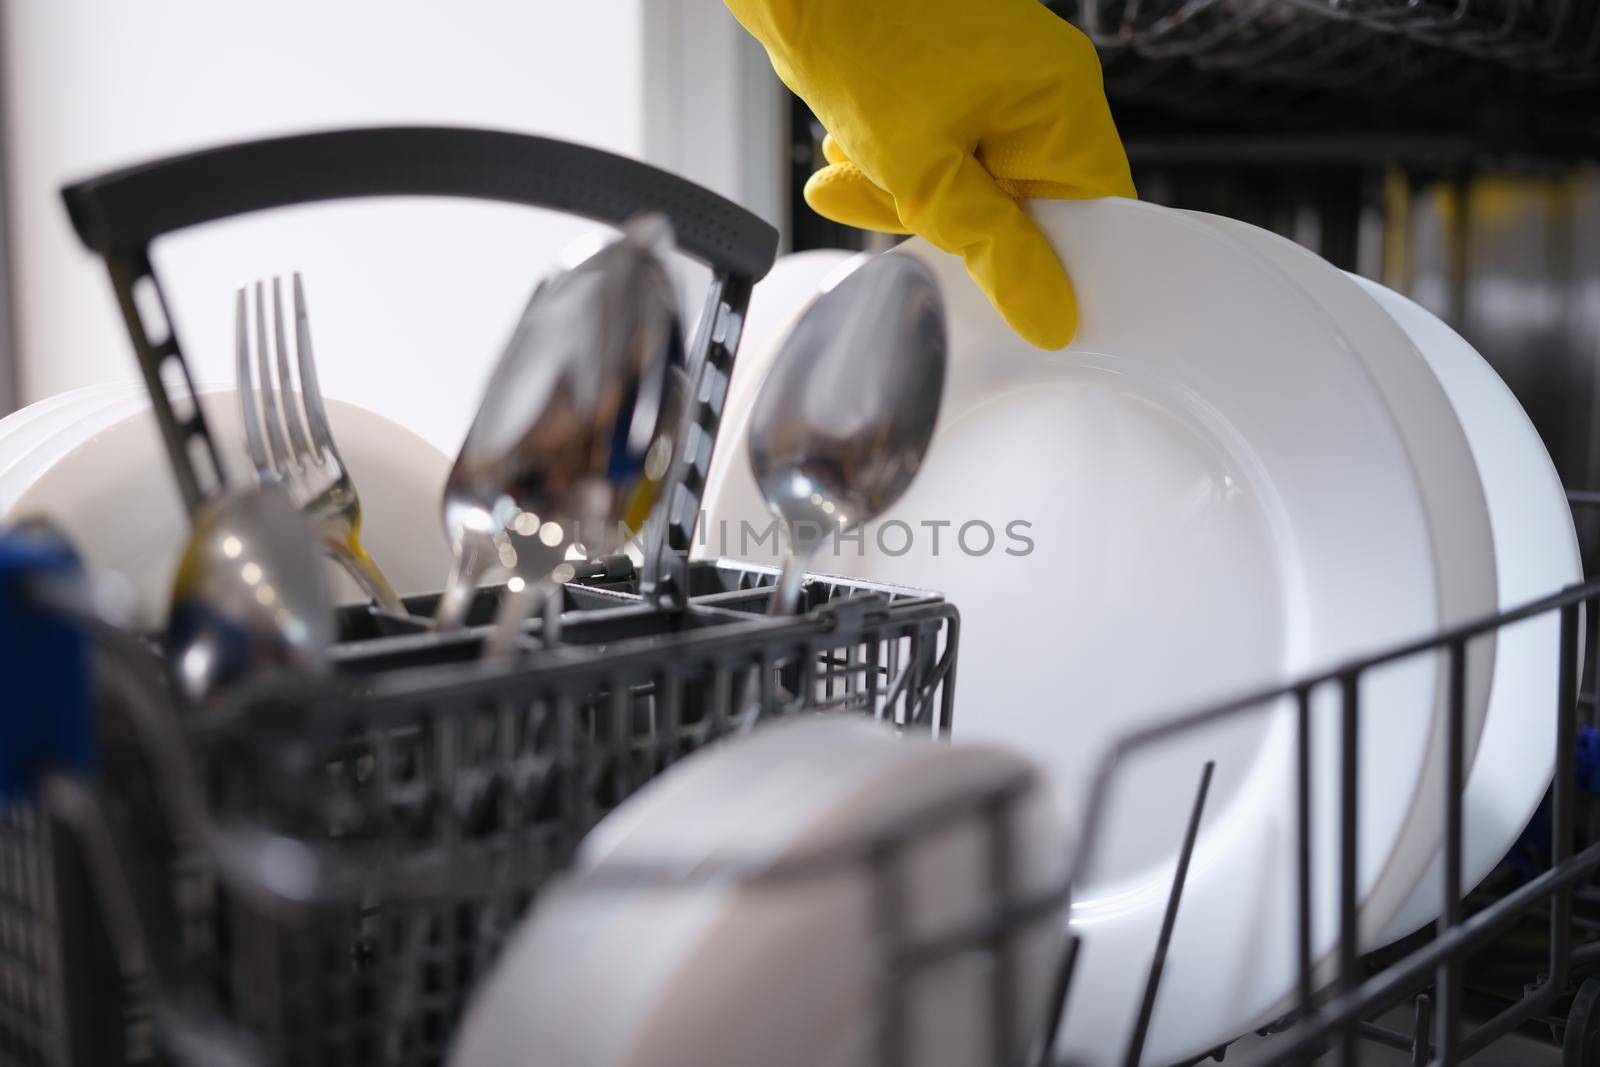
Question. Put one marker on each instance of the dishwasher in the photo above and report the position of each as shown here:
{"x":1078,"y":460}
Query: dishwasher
{"x":1447,"y":148}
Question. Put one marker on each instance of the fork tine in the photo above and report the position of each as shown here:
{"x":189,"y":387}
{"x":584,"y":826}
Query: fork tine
{"x":249,"y":414}
{"x":316,"y":414}
{"x":276,"y":448}
{"x":291,"y":408}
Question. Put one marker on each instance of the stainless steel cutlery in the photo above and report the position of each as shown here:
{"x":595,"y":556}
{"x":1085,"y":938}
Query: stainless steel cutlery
{"x":250,"y":595}
{"x":847,"y":410}
{"x":288,"y":437}
{"x":574,"y":437}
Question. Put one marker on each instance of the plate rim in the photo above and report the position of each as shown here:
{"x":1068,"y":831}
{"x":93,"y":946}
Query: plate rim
{"x":1495,"y":764}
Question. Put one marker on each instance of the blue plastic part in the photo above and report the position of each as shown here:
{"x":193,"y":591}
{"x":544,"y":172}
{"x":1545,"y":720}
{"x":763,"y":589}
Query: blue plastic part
{"x":46,"y":705}
{"x":1531,"y":854}
{"x":1588,"y":760}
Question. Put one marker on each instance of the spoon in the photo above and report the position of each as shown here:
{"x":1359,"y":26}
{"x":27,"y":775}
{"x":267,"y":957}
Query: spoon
{"x":250,"y":595}
{"x":573,"y":440}
{"x":847,"y":410}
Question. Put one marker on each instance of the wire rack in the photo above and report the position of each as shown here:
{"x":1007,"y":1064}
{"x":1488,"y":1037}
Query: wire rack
{"x":1559,"y":39}
{"x":1513,"y":75}
{"x":382,"y":807}
{"x":318,"y":875}
{"x":1340,"y":1001}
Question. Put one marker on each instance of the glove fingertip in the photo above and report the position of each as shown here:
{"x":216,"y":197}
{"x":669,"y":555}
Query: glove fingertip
{"x":832,"y":150}
{"x":1026,"y":283}
{"x":1050,"y":328}
{"x":841,"y":192}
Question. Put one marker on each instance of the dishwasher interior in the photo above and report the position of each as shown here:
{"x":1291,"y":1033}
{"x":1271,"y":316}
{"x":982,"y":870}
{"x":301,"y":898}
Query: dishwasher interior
{"x":1449,"y":149}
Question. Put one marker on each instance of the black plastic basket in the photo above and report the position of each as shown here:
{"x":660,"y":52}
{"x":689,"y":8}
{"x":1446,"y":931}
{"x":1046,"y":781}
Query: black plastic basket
{"x":317,"y":874}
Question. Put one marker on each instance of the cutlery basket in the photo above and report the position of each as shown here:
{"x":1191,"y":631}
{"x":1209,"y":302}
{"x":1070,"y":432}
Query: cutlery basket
{"x":316,"y":874}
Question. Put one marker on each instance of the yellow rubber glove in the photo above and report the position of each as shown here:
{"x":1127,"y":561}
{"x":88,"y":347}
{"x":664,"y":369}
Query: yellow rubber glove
{"x":941,"y":114}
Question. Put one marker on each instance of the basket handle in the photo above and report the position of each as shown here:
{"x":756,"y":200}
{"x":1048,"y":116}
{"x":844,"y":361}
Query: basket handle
{"x":118,"y":214}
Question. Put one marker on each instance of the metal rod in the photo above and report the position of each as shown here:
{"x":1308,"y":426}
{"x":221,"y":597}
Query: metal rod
{"x":1395,"y":983}
{"x":1349,"y":783}
{"x":1534,"y":1003}
{"x":1174,"y":896}
{"x":893,"y":1036}
{"x":1002,"y":863}
{"x":1447,"y":979}
{"x":1303,"y":835}
{"x":1421,"y":1051}
{"x":1169,"y":728}
{"x":1382,"y":1035}
{"x":1586,"y":698}
{"x":980,"y":932}
{"x":1058,"y":998}
{"x":1562,"y":800}
{"x":10,"y":260}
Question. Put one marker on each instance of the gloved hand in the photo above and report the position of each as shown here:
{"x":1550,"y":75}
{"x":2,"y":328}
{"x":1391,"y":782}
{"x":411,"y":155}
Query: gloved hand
{"x":941,"y":113}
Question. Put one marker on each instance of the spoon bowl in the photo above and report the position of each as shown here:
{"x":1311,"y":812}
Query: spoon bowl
{"x":848,"y":408}
{"x":250,"y":596}
{"x":573,"y":440}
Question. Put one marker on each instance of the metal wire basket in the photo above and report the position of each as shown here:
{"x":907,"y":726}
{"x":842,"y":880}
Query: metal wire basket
{"x":1342,"y":1004}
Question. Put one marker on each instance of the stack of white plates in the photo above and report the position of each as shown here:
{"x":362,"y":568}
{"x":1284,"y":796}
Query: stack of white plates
{"x":1247,"y":466}
{"x":92,"y":460}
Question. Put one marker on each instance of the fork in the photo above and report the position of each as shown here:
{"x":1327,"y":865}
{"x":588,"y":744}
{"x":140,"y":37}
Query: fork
{"x":290,"y":443}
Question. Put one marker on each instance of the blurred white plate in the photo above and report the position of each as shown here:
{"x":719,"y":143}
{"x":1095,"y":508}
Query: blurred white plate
{"x":782,"y":974}
{"x":1219,"y":498}
{"x":26,"y":427}
{"x":109,"y":487}
{"x":1452,"y":490}
{"x":1538,"y":555}
{"x":21,"y":463}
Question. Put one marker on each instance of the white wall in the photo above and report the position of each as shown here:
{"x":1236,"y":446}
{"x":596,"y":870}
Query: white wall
{"x":410,"y":299}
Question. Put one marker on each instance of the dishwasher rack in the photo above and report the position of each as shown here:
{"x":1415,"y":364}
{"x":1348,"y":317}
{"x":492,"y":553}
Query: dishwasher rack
{"x":1341,"y":1014}
{"x":1426,"y":80}
{"x":358,"y":943}
{"x":316,"y":873}
{"x":1560,"y":995}
{"x":1558,"y":39}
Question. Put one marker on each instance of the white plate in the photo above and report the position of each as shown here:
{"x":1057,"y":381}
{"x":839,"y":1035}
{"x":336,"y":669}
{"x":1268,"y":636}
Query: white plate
{"x":1538,"y":555}
{"x":21,"y":430}
{"x":652,"y":977}
{"x":791,"y":285}
{"x":1453,"y":494}
{"x":23,"y":415}
{"x":1205,"y":469}
{"x":23,"y":463}
{"x":114,"y":495}
{"x":777,"y":300}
